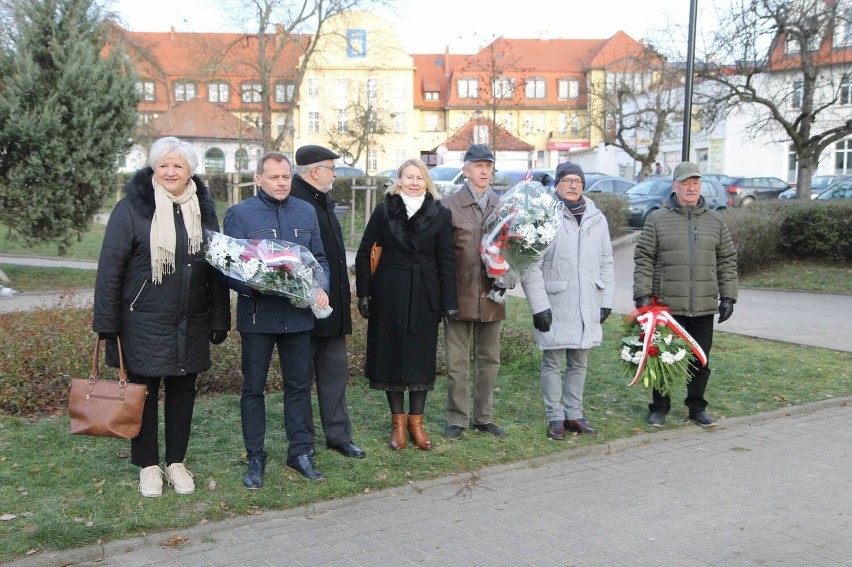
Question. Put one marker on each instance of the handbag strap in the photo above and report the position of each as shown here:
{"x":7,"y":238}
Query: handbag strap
{"x":96,"y":372}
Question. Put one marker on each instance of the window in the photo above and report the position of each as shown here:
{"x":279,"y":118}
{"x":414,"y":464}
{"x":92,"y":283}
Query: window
{"x":575,"y":124}
{"x":431,"y":95}
{"x":372,"y":89}
{"x":400,"y":90}
{"x":184,"y":91}
{"x":313,"y":87}
{"x":843,"y":30}
{"x":528,"y":122}
{"x":796,"y":102}
{"x":793,"y":43}
{"x":214,"y":161}
{"x":535,"y":88}
{"x":845,"y":90}
{"x":251,"y":92}
{"x":372,"y":160}
{"x":468,"y":88}
{"x":145,"y":90}
{"x":843,"y":157}
{"x":279,"y":125}
{"x":431,"y":122}
{"x":563,"y":123}
{"x":218,"y":92}
{"x":399,"y":123}
{"x":342,"y":89}
{"x":539,"y":122}
{"x":284,"y":92}
{"x":342,"y":121}
{"x":313,"y":122}
{"x":503,"y":88}
{"x":372,"y":121}
{"x":567,"y":89}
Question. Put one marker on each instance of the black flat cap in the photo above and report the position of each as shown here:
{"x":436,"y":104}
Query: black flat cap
{"x":478,"y":152}
{"x":307,"y":155}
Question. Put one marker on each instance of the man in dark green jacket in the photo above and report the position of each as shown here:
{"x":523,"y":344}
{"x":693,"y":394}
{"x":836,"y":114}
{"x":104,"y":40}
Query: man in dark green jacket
{"x":685,"y":258}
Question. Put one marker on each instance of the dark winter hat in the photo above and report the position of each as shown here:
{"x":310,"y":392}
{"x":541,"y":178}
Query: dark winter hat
{"x":685,"y":170}
{"x":307,"y":155}
{"x":478,"y":152}
{"x":564,"y":169}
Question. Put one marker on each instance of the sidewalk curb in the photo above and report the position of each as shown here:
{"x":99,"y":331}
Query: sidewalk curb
{"x":197,"y":534}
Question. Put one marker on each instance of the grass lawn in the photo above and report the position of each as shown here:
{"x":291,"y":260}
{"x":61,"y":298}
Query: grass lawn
{"x":803,"y":276}
{"x":37,"y":279}
{"x":86,"y":246}
{"x":66,"y":491}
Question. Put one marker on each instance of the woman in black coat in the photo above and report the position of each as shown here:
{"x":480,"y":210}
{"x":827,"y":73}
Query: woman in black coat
{"x":414,"y":285}
{"x":156,"y":292}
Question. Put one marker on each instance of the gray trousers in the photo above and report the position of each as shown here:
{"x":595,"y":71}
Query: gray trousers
{"x":329,"y":367}
{"x":562,"y":392}
{"x":486,"y":361}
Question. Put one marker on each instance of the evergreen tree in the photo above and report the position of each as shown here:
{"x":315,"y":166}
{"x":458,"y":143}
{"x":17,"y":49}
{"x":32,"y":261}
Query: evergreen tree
{"x":67,"y":111}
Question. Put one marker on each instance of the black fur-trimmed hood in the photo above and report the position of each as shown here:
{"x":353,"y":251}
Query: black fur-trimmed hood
{"x":404,"y":229}
{"x":139,"y":192}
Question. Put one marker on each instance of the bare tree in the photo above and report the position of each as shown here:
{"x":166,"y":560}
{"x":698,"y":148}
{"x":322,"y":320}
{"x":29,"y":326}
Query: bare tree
{"x":787,"y":64}
{"x":500,"y":83}
{"x":637,"y":104}
{"x":361,"y":126}
{"x":282,"y":28}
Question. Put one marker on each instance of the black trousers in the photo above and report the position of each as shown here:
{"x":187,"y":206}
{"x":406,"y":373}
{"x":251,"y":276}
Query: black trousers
{"x":178,"y":406}
{"x":701,"y":329}
{"x":294,"y":351}
{"x":329,"y":368}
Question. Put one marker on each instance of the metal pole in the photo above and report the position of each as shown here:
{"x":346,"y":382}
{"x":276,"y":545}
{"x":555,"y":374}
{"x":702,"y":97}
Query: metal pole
{"x":687,"y":94}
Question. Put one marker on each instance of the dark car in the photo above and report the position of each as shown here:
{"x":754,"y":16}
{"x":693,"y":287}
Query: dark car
{"x":839,"y":190}
{"x":596,"y":183}
{"x":743,"y":191}
{"x":819,"y":183}
{"x":505,"y":179}
{"x":647,"y":196}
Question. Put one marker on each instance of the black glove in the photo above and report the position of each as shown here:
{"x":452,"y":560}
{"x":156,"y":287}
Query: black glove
{"x":364,"y":307}
{"x":605,"y":311}
{"x":218,"y":337}
{"x":726,"y":309}
{"x":499,"y":290}
{"x":644,"y":301}
{"x":450,"y":315}
{"x":107,"y":336}
{"x":542,"y":321}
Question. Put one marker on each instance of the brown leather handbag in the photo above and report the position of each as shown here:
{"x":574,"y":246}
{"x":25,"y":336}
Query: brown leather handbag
{"x":106,"y":408}
{"x":375,"y":255}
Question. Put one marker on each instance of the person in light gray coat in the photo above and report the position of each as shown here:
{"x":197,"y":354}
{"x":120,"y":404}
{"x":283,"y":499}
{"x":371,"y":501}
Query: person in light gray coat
{"x":570,"y":290}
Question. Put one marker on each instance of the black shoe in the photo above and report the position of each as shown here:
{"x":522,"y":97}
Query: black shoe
{"x":349,"y":449}
{"x":304,"y":465}
{"x":580,"y":426}
{"x":657,"y":419}
{"x":491,"y":428}
{"x":454,"y":432}
{"x":253,"y":480}
{"x":703,"y":418}
{"x":556,"y":430}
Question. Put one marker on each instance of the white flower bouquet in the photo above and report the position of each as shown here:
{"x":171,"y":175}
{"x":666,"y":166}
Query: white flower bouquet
{"x":517,"y":233}
{"x":275,"y":267}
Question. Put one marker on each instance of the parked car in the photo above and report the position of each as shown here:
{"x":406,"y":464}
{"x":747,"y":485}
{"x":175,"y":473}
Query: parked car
{"x":743,"y":191}
{"x":720,"y":177}
{"x":647,"y":196}
{"x":839,"y":190}
{"x":505,"y":179}
{"x":389,"y":173}
{"x":446,"y":179}
{"x":819,"y":183}
{"x":346,"y":171}
{"x":597,"y":183}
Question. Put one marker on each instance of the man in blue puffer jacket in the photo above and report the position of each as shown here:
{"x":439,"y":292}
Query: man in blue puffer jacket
{"x":266,"y":321}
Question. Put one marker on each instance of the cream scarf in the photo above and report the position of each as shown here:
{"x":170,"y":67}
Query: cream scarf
{"x":412,"y":204}
{"x":163,"y":237}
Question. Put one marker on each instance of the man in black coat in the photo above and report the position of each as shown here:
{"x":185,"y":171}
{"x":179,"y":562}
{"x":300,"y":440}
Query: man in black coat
{"x":313,"y":180}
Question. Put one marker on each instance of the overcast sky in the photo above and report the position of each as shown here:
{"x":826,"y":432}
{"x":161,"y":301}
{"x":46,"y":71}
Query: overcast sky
{"x":428,"y":26}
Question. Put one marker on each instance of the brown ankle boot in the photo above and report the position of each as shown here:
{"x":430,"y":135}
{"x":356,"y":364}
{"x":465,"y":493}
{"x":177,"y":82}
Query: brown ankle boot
{"x":418,"y":434}
{"x":398,"y":438}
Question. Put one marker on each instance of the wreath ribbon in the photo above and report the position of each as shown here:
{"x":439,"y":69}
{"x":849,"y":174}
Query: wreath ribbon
{"x":655,"y":315}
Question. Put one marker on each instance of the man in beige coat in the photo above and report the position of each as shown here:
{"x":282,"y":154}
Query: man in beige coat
{"x":479,"y":317}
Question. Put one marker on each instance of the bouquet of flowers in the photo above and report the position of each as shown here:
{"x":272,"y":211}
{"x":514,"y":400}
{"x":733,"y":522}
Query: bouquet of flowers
{"x":661,"y":358}
{"x":517,"y":233}
{"x":275,"y":267}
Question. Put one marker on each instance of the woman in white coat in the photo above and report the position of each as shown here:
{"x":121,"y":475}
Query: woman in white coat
{"x":570,"y":290}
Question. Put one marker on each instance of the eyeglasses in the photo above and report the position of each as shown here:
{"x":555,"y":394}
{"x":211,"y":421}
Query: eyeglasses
{"x":331,"y":167}
{"x":571,"y":181}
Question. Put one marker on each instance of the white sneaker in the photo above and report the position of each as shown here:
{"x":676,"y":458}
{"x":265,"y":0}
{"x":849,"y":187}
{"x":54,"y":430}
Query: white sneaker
{"x":180,"y":478}
{"x":151,"y":481}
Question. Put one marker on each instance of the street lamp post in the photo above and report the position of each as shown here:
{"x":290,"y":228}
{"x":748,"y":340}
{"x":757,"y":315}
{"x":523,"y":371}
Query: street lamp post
{"x":687,"y":94}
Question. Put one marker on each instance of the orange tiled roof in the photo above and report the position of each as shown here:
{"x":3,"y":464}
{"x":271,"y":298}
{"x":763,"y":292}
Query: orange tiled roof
{"x":199,"y":118}
{"x":432,"y":73}
{"x":504,"y":141}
